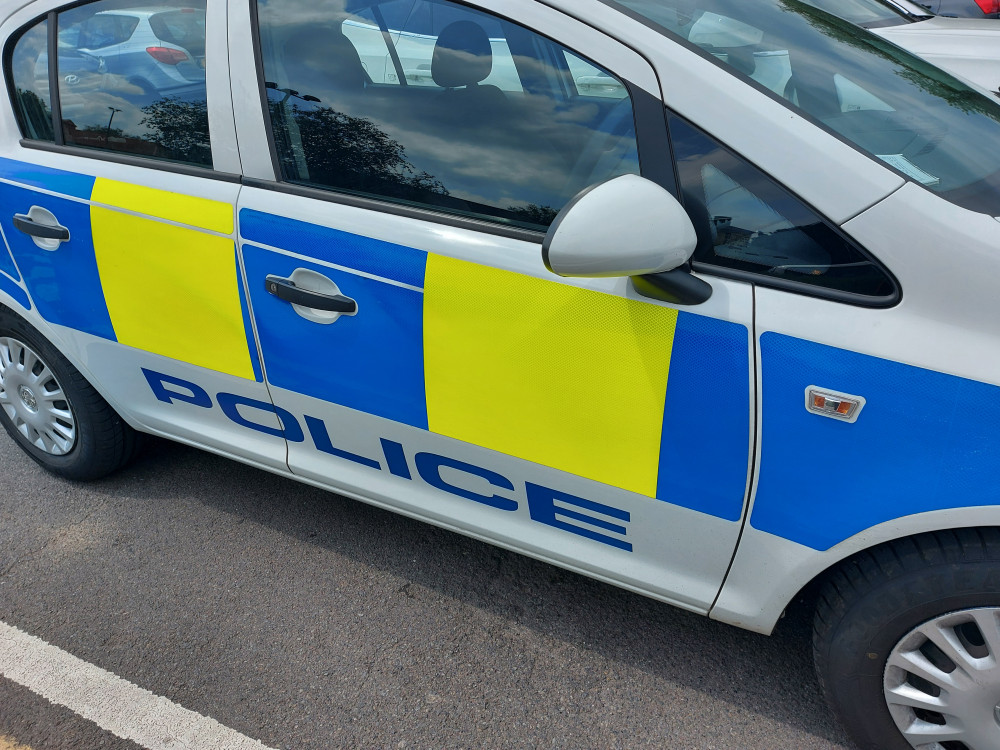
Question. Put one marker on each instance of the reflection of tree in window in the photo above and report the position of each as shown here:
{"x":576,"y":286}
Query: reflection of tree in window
{"x":322,"y":146}
{"x":36,"y":114}
{"x":30,"y":78}
{"x":533,"y":214}
{"x":180,"y":129}
{"x":353,"y":153}
{"x":175,"y":130}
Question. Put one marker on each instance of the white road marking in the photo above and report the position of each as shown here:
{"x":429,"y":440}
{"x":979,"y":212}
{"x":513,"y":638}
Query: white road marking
{"x":114,"y":704}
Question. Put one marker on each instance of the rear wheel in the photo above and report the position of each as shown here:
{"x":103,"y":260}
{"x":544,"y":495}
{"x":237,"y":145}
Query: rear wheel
{"x":52,"y":412}
{"x":907,"y":643}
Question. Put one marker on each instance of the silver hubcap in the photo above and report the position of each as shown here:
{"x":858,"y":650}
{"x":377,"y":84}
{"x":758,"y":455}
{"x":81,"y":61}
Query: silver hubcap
{"x":942,"y":682}
{"x":33,"y":400}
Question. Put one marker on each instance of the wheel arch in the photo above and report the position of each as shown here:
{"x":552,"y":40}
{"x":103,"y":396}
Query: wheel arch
{"x":769,"y":573}
{"x":71,"y":353}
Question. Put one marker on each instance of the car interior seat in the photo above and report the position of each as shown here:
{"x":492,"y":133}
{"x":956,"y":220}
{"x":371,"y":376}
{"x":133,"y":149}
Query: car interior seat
{"x":463,"y":59}
{"x":321,"y":62}
{"x":322,"y":68}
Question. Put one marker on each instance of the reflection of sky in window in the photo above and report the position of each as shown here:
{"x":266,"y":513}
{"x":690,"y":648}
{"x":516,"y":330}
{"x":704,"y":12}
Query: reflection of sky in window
{"x":725,"y":197}
{"x":89,"y":102}
{"x":522,"y":154}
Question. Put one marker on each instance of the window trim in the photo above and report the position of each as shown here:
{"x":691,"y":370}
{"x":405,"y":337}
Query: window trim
{"x":8,"y":60}
{"x":121,"y":157}
{"x":58,"y":144}
{"x":652,"y":141}
{"x":55,"y":96}
{"x":397,"y":209}
{"x":798,"y":287}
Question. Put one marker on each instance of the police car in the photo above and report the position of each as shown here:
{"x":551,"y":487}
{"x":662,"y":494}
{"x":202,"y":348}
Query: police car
{"x":717,"y":330}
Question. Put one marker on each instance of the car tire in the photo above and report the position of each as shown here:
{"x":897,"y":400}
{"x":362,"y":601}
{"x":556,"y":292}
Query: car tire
{"x":879,"y":618}
{"x":53,"y":413}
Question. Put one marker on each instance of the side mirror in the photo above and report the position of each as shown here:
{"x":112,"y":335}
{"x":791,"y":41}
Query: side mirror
{"x":627,"y":226}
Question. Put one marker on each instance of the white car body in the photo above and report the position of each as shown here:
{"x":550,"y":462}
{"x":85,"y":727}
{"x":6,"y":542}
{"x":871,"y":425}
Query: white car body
{"x":493,"y":397}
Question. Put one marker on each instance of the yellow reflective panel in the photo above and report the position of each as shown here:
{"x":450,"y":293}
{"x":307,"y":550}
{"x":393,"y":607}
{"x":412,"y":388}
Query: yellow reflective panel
{"x":553,"y":374}
{"x":207,"y":214}
{"x":172,"y":291}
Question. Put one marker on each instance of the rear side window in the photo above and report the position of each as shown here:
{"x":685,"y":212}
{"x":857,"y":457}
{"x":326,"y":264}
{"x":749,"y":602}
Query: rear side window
{"x":128,"y":81}
{"x":29,"y":83}
{"x":101,"y":30}
{"x":747,"y":222}
{"x":436,"y":105}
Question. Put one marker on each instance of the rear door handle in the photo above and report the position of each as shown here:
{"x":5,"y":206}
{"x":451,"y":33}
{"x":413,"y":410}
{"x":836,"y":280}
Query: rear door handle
{"x":41,"y":231}
{"x":285,"y":289}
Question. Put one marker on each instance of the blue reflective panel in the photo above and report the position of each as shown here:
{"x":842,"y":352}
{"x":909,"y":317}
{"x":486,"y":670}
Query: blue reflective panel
{"x":924,"y":441}
{"x":705,"y":448}
{"x":383,"y":259}
{"x":7,"y":263}
{"x":15,"y":291}
{"x":258,"y":372}
{"x":372,"y":362}
{"x":56,"y":180}
{"x":65,"y":283}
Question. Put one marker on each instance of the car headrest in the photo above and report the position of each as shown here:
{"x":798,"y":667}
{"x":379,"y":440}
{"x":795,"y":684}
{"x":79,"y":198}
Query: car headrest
{"x":462,"y":55}
{"x":320,"y":60}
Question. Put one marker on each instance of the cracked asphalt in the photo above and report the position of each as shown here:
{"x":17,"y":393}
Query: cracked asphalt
{"x":306,"y":620}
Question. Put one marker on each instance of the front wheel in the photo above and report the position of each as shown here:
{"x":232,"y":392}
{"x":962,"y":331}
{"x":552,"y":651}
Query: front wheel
{"x":907,"y":643}
{"x":52,"y":412}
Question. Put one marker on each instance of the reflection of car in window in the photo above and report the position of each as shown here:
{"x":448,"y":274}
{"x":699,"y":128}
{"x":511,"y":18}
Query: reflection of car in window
{"x":162,"y":50}
{"x":966,"y":47}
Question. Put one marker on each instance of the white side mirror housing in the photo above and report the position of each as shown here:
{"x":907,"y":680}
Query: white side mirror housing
{"x":627,"y":226}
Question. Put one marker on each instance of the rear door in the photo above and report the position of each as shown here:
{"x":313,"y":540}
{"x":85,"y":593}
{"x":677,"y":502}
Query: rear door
{"x":452,"y":377}
{"x":119,"y":215}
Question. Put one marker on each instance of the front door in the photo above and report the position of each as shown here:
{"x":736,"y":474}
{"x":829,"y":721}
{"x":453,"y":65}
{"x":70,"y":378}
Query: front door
{"x":421,"y":354}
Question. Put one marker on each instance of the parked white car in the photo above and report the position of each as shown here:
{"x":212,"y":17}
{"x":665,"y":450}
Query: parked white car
{"x":966,"y":47}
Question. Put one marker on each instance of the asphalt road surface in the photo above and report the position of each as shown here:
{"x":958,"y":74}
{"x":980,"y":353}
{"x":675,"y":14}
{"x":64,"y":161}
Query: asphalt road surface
{"x":305,"y":620}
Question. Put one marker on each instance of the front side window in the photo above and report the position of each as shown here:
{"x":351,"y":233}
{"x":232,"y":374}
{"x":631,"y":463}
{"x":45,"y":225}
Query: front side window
{"x":130,"y":78}
{"x":903,"y":111}
{"x":434,"y":104}
{"x":747,"y":222}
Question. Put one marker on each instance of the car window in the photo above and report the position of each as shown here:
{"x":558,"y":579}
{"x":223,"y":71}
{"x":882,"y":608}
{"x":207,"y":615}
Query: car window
{"x":103,"y":30}
{"x":141,"y":89}
{"x":747,"y":222}
{"x":592,"y":81}
{"x":437,"y":105}
{"x":413,"y":29}
{"x":131,"y":80}
{"x":903,"y":111}
{"x":29,"y":80}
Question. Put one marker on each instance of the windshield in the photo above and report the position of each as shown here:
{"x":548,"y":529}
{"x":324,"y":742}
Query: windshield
{"x":919,"y":120}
